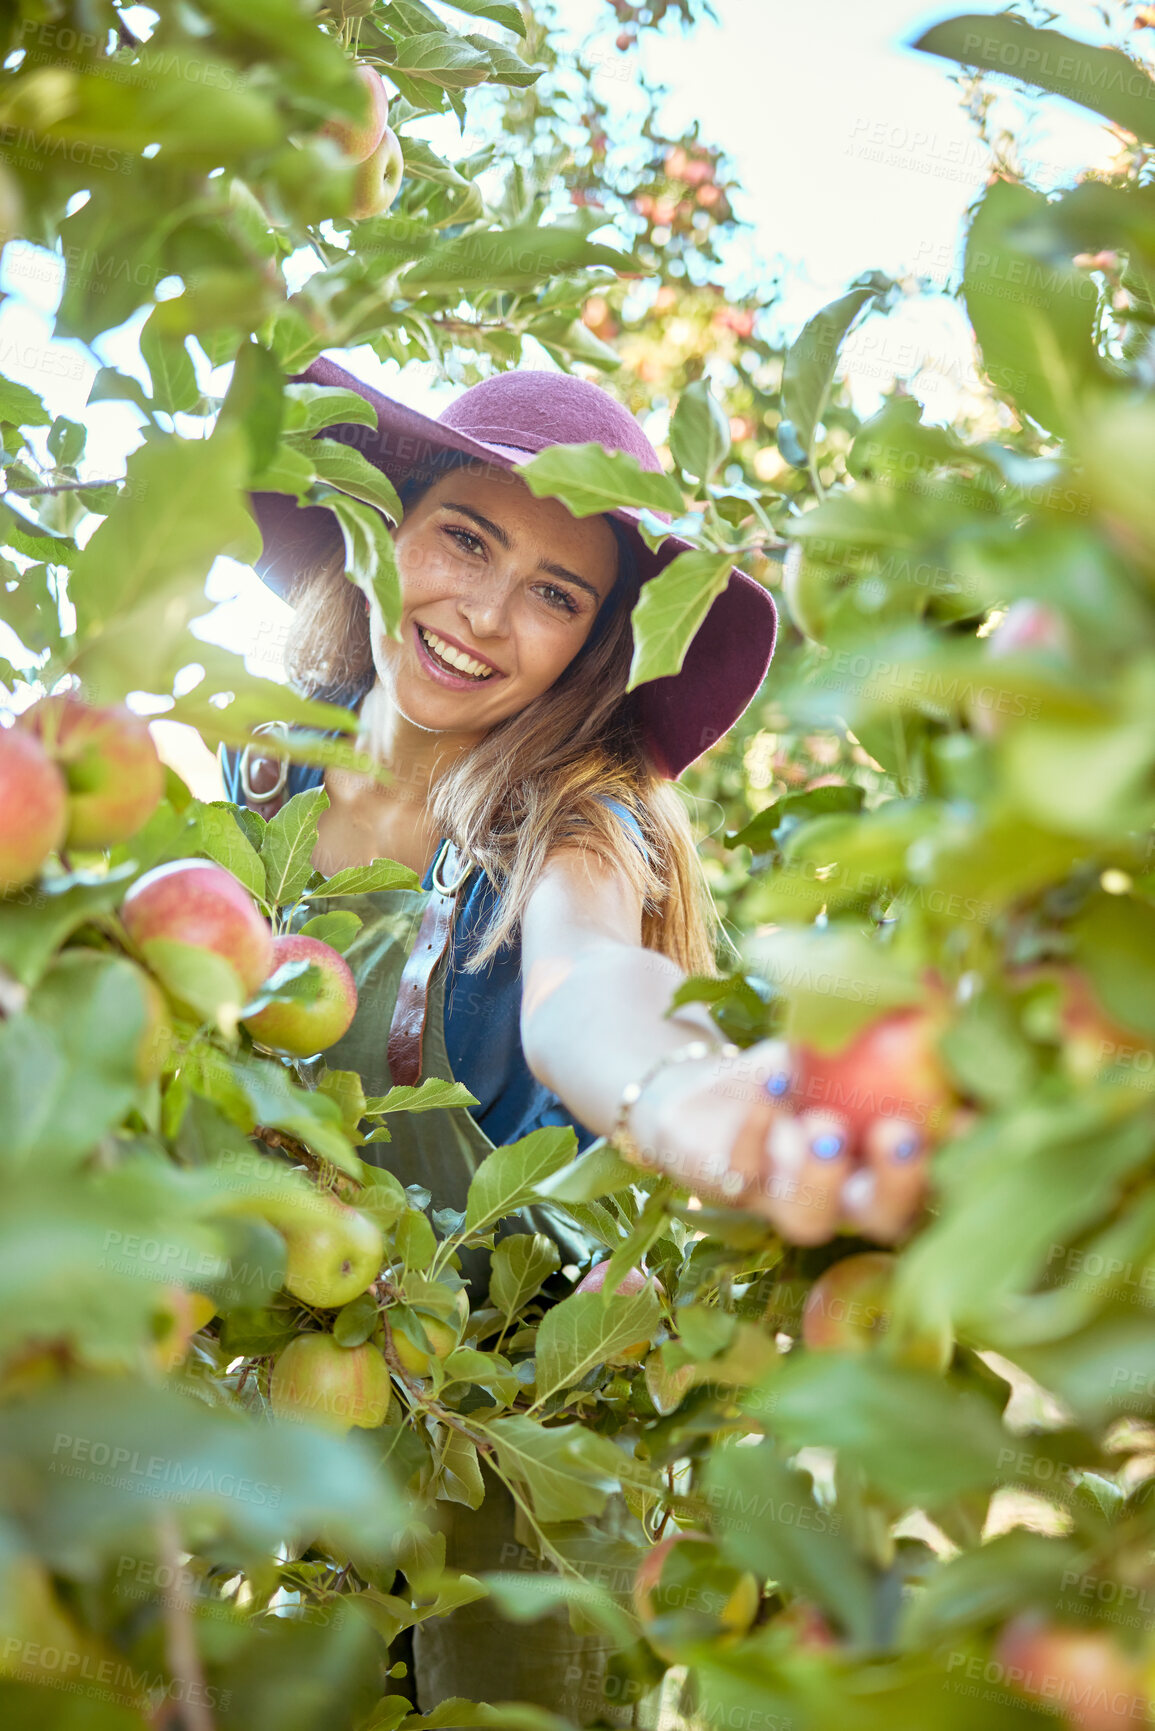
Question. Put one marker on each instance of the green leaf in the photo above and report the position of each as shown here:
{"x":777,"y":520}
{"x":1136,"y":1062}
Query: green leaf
{"x":431,"y":1095}
{"x":520,"y":1264}
{"x":600,"y":1171}
{"x":355,"y":1322}
{"x":213,"y":1469}
{"x":337,"y":929}
{"x":381,"y":874}
{"x":255,"y":400}
{"x":1103,"y":79}
{"x":767,"y":1518}
{"x":141,"y":576}
{"x":21,"y":407}
{"x":288,"y":843}
{"x":350,"y":472}
{"x":1035,"y":318}
{"x":1114,"y":942}
{"x":174,"y":380}
{"x":651,"y":1223}
{"x":63,"y":1092}
{"x":505,"y":67}
{"x":587,"y":1330}
{"x":198,"y":979}
{"x":499,"y":11}
{"x":588,"y":479}
{"x":671,"y":608}
{"x":914,"y":1436}
{"x":512,"y":258}
{"x":508,"y":1178}
{"x":808,"y":372}
{"x":699,"y":432}
{"x":447,"y":61}
{"x":370,"y":556}
{"x":35,"y":921}
{"x":218,"y":836}
{"x":551,"y":1465}
{"x":308,"y":408}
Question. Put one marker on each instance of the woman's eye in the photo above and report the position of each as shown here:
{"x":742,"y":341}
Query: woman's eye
{"x":559,"y":598}
{"x":465,"y":539}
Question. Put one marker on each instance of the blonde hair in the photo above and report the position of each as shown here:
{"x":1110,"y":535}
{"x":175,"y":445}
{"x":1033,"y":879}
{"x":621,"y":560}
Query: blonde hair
{"x":536,"y":781}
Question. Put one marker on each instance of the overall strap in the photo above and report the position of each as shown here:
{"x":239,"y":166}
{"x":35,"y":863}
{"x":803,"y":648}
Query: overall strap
{"x":407,"y":1028}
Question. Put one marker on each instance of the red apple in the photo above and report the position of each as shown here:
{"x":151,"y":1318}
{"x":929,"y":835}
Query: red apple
{"x":359,"y":139}
{"x":33,"y":808}
{"x":634,"y":1280}
{"x":379,"y":178}
{"x":195,"y":902}
{"x":305,"y":1026}
{"x":115,"y":778}
{"x":318,"y":1379}
{"x":890,"y":1070}
{"x":1079,"y":1671}
{"x":848,"y":1310}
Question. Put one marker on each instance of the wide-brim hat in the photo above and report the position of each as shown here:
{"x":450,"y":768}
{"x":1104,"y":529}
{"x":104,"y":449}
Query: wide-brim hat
{"x":503,"y":421}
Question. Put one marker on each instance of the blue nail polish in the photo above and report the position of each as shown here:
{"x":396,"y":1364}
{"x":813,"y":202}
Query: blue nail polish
{"x":777,"y":1085}
{"x":908,"y":1148}
{"x":828,"y":1146}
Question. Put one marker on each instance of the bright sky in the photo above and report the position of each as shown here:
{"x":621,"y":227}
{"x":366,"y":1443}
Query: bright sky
{"x":850,"y":150}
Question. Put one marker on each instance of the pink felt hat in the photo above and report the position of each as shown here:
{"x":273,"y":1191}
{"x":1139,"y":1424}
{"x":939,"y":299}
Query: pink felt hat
{"x":503,"y":421}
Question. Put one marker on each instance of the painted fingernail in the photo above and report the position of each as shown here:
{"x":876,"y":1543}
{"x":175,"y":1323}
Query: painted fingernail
{"x":907,"y":1147}
{"x":731,"y":1183}
{"x":828,"y":1145}
{"x":777,"y":1085}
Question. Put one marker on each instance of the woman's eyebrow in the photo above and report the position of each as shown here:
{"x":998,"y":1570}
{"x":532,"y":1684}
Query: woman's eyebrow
{"x":503,"y":540}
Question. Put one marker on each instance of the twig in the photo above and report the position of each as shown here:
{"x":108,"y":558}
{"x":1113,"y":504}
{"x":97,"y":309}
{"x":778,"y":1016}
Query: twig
{"x":180,"y":1637}
{"x":64,"y":487}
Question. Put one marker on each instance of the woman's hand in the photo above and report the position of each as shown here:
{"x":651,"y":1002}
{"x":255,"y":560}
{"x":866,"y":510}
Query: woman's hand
{"x":733,"y":1129}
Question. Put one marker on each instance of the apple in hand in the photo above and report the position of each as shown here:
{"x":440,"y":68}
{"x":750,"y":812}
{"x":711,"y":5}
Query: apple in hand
{"x":633,"y":1280}
{"x":305,"y":1026}
{"x":333,"y":1259}
{"x":848,"y":1310}
{"x":359,"y":139}
{"x":201,"y":904}
{"x":33,"y":808}
{"x":1081,"y":1671}
{"x":317,"y":1379}
{"x":108,"y":759}
{"x":379,"y":178}
{"x":890,"y":1070}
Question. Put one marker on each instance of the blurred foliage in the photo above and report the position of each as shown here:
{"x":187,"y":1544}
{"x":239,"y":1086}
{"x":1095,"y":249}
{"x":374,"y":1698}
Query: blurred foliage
{"x":951,"y":774}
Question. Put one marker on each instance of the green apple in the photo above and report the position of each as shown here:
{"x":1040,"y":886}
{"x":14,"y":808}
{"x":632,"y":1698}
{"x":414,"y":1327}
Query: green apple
{"x":317,"y":1379}
{"x":334,"y":1258}
{"x":304,"y":1026}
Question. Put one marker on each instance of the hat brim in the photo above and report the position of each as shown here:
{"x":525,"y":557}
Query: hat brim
{"x":682,"y":714}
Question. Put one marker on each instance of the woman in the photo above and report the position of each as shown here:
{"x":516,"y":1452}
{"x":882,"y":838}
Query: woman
{"x":560,"y":878}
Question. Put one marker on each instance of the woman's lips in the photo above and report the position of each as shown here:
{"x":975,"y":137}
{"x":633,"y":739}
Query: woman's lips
{"x":456,"y":681}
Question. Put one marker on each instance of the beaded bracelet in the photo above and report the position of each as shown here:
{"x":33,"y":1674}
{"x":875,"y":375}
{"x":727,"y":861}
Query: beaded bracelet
{"x":621,"y":1135}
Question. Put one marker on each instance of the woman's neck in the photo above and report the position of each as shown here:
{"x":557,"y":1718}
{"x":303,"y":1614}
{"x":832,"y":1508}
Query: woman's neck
{"x":416,"y":756}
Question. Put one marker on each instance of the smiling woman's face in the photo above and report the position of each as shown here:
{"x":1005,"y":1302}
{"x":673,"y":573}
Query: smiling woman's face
{"x":508,"y":584}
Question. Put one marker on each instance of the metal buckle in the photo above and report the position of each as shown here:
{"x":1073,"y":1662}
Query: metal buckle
{"x":279,"y":729}
{"x":465,"y":866}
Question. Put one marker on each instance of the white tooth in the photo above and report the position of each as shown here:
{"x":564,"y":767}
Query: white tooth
{"x":455,"y":657}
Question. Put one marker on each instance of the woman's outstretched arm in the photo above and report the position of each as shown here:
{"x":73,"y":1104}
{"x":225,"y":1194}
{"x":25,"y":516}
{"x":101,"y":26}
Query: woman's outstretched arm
{"x":593,"y":1019}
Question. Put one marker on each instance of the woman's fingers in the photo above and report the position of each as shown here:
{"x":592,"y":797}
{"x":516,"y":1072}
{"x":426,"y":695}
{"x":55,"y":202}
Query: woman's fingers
{"x":808,"y":1159}
{"x":886,"y":1190}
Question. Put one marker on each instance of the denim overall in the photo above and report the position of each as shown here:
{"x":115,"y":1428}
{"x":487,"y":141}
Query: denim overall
{"x":471,"y":1652}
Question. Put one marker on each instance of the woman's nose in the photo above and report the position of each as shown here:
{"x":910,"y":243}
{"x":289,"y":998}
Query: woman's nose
{"x":486,"y":608}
